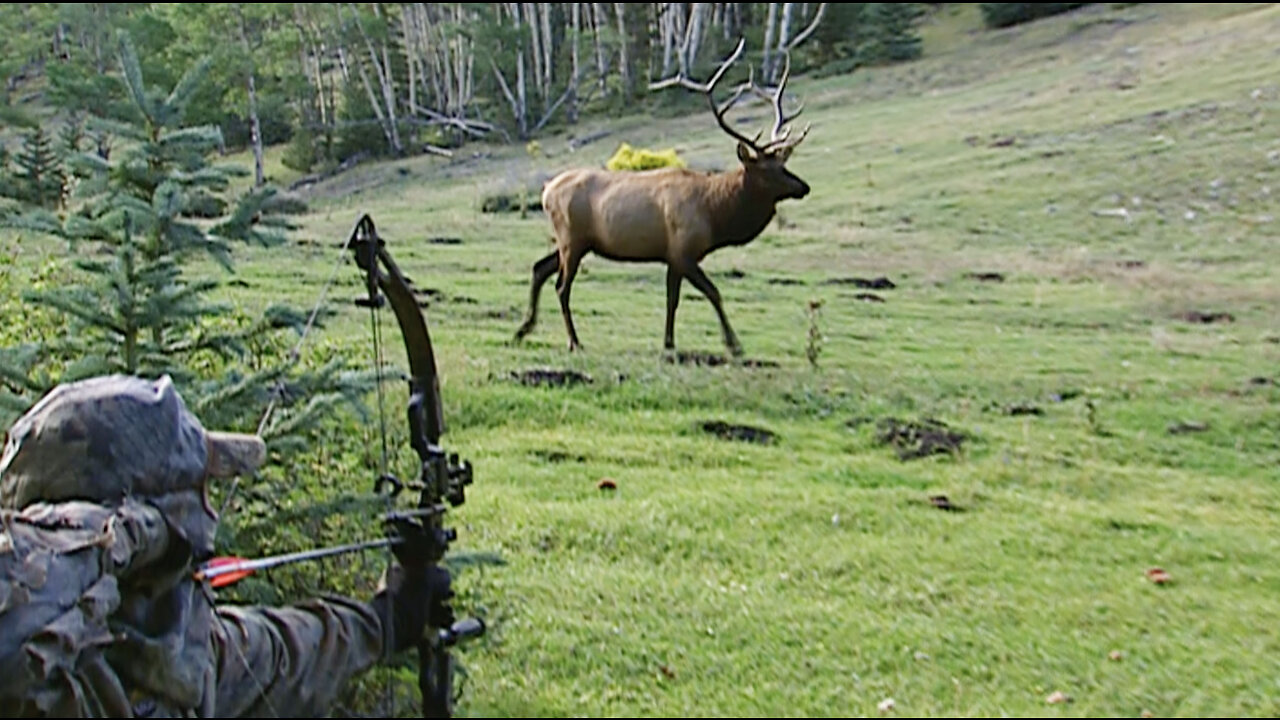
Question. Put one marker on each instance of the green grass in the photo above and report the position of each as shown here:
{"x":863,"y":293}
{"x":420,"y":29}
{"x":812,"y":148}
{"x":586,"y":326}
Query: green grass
{"x":812,"y":576}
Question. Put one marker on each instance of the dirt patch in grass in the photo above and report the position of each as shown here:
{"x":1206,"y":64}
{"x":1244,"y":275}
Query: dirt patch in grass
{"x":942,"y":502}
{"x":868,"y":297}
{"x":1207,"y":318}
{"x":547,"y":377}
{"x":741,"y":433}
{"x":557,"y":456}
{"x":704,"y":359}
{"x":985,"y":276}
{"x":784,"y":281}
{"x":879,"y":283}
{"x":1185,"y":427}
{"x":912,"y":439}
{"x":1018,"y":409}
{"x":427,"y":296}
{"x":504,"y":314}
{"x":1021,"y":409}
{"x":444,"y":241}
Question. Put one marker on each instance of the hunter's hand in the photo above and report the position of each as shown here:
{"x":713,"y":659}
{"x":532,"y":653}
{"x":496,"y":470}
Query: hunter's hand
{"x":404,"y":601}
{"x":413,"y":546}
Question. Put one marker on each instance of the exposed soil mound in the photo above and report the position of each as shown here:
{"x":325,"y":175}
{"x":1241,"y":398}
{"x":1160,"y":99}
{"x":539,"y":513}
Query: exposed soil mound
{"x":557,"y":456}
{"x":547,"y":377}
{"x":985,"y":276}
{"x":1207,"y":318}
{"x":919,"y":439}
{"x":742,"y":433}
{"x":880,"y":283}
{"x":703,"y":359}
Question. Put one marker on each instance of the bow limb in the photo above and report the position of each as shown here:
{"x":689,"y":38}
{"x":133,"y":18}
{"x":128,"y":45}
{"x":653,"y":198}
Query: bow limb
{"x":442,"y":477}
{"x":426,"y":412}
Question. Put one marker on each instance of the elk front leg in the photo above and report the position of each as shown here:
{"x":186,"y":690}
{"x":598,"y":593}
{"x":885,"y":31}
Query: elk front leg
{"x":704,"y":285}
{"x":569,"y":261}
{"x":674,"y":278}
{"x":543,"y":269}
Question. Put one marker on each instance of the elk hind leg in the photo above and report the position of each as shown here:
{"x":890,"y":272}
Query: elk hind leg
{"x":674,"y":278}
{"x":564,"y":286}
{"x":543,"y":269}
{"x":700,"y":280}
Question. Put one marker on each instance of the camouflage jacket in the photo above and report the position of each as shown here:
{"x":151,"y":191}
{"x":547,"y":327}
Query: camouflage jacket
{"x":84,"y":632}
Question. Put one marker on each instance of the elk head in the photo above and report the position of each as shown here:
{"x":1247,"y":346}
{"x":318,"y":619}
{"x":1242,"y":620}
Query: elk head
{"x":764,"y":165}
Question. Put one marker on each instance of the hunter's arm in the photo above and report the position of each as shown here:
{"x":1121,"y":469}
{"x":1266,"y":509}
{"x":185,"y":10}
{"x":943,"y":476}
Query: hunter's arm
{"x":292,"y":661}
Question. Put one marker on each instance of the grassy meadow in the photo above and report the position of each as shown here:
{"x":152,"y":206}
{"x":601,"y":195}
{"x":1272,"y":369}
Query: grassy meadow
{"x":1080,"y":220}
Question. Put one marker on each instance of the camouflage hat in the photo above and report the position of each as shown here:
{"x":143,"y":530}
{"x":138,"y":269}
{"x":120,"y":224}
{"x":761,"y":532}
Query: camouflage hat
{"x":108,"y":438}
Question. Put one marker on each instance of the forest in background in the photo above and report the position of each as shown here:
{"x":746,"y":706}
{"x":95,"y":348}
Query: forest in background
{"x":344,"y":79}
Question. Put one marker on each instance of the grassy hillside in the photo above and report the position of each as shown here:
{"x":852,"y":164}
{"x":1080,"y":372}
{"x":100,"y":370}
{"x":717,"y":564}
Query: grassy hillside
{"x":1080,"y":220}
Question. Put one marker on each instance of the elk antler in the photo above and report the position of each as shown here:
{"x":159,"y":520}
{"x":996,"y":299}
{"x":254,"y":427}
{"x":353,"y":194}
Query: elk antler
{"x":779,"y":136}
{"x":709,"y":87}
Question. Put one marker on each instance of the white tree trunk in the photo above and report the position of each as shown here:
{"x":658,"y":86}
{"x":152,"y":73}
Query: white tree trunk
{"x":548,"y":51}
{"x":530,"y":11}
{"x":598,"y":22}
{"x":411,"y":31}
{"x":813,"y":25}
{"x":255,"y":126}
{"x":385,"y":108}
{"x":624,"y":51}
{"x":784,"y":35}
{"x":255,"y":134}
{"x":770,"y":27}
{"x":575,"y":33}
{"x":667,"y":25}
{"x":693,"y":37}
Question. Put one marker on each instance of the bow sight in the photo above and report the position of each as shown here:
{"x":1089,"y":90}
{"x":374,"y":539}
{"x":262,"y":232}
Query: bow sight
{"x":442,"y":477}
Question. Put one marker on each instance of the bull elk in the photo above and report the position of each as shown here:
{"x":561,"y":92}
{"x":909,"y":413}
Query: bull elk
{"x":670,"y":215}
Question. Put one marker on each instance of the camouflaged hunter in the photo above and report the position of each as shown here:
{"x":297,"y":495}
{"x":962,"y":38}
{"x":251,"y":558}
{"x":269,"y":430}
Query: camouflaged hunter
{"x":104,"y":517}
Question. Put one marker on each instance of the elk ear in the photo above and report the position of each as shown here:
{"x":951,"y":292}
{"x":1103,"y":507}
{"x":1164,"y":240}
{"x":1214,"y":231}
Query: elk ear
{"x":783,"y":153}
{"x":744,"y":154}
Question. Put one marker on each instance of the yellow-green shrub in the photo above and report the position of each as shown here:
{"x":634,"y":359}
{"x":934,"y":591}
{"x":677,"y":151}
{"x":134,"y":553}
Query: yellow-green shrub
{"x":629,"y":158}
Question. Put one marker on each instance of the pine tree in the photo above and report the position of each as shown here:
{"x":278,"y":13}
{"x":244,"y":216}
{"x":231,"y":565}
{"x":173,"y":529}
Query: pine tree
{"x":999,"y":15}
{"x":7,"y":188}
{"x":137,"y":311}
{"x":893,"y":36}
{"x":72,"y":135}
{"x":39,"y":176}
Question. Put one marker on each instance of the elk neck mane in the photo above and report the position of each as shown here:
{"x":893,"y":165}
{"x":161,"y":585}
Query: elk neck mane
{"x":738,"y":214}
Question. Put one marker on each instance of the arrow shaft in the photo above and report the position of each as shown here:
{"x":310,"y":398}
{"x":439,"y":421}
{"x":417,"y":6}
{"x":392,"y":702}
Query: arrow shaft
{"x":247,"y":566}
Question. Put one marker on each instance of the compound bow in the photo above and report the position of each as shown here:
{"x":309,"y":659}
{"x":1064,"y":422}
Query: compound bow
{"x":442,"y":477}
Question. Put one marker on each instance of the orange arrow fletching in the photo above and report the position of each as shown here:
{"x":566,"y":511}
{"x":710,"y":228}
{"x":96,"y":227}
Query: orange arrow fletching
{"x":229,"y":571}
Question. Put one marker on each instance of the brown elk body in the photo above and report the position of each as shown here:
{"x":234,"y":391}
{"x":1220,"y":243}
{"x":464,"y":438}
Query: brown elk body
{"x":672,"y":215}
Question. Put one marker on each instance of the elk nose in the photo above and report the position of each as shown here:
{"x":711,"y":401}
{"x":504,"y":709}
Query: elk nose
{"x":804,"y":190}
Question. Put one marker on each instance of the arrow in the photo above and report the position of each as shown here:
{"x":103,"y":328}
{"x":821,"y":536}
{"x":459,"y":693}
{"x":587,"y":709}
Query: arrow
{"x":223,"y":571}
